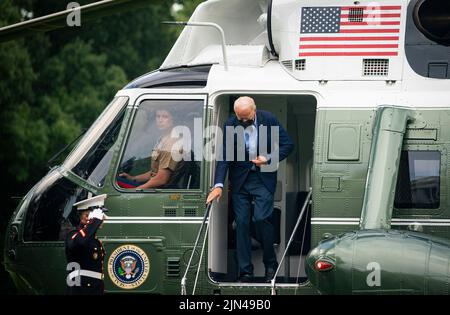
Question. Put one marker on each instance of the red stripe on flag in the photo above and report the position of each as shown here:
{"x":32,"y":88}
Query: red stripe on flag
{"x":358,"y":38}
{"x":371,"y":23}
{"x":349,"y":46}
{"x":372,"y":30}
{"x":374,"y":7}
{"x":376,"y":15}
{"x":371,"y":53}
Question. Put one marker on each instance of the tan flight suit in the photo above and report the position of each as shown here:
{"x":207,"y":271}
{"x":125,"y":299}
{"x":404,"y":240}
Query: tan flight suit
{"x":162,"y":155}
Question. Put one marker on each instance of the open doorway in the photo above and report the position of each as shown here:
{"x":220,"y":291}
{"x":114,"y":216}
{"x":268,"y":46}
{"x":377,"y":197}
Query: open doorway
{"x":297,"y":114}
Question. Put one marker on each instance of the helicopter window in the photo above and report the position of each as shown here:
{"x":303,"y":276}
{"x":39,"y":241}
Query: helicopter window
{"x":162,"y":150}
{"x":95,"y":164}
{"x":178,"y":77}
{"x":418,"y":183}
{"x":50,"y":216}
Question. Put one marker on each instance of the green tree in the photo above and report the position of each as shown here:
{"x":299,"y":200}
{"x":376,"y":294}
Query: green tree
{"x":80,"y":81}
{"x":136,"y":40}
{"x":186,"y":9}
{"x":16,"y":97}
{"x":16,"y":94}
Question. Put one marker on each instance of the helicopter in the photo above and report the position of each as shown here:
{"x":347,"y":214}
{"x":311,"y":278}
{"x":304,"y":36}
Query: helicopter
{"x":362,"y":204}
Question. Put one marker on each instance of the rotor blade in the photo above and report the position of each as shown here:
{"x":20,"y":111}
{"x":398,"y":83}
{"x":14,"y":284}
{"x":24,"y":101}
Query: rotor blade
{"x":59,"y":20}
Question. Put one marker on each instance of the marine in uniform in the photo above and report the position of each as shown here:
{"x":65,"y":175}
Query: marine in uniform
{"x":84,"y":251}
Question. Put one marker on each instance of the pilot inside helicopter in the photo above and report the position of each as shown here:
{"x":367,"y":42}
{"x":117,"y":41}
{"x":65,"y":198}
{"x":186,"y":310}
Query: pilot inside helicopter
{"x":164,"y":168}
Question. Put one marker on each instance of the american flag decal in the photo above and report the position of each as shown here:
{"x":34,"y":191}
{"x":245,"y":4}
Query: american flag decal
{"x":350,"y":31}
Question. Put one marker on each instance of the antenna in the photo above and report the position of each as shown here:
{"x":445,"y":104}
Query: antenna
{"x":208,"y":24}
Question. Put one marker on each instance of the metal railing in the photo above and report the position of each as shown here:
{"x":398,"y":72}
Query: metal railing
{"x":184,"y":279}
{"x":307,"y":201}
{"x":208,"y":24}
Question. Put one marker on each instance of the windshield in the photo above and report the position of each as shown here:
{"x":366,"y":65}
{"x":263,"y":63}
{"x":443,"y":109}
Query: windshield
{"x":94,"y":166}
{"x":99,"y":129}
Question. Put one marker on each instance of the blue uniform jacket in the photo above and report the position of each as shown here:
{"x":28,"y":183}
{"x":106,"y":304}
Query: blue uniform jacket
{"x":83,"y":247}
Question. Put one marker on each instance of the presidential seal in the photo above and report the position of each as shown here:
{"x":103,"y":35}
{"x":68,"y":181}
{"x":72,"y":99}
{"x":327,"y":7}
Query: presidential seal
{"x":128,"y":267}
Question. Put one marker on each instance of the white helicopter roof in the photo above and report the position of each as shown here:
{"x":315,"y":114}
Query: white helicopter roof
{"x":414,"y":91}
{"x":346,"y":53}
{"x":245,"y":34}
{"x":340,"y":40}
{"x":315,"y":40}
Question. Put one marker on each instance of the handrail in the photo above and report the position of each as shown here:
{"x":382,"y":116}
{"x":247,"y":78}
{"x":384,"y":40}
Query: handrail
{"x":308,"y":197}
{"x":208,"y":24}
{"x":200,"y":260}
{"x":183,"y":280}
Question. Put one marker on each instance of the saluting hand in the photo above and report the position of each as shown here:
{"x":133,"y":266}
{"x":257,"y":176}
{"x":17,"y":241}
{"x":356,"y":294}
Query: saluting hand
{"x":214,"y":194}
{"x":97,"y":213}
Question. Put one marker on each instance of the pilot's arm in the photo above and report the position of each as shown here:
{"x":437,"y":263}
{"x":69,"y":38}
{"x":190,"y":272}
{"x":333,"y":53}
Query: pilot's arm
{"x":160,"y":179}
{"x":139,"y":178}
{"x":167,"y":165}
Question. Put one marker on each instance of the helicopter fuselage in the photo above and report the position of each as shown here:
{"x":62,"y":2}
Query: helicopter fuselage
{"x":371,"y":144}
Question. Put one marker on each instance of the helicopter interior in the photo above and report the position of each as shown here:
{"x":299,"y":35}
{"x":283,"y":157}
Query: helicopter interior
{"x":146,"y":135}
{"x":297,"y":114}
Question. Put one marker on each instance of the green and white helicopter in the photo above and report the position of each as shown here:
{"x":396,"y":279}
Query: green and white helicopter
{"x":362,"y":204}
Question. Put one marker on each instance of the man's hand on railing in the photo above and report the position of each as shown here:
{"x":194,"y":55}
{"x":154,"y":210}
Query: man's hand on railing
{"x":214,"y":194}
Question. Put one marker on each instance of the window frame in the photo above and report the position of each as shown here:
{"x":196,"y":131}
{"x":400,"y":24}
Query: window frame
{"x":157,"y":97}
{"x":402,"y":212}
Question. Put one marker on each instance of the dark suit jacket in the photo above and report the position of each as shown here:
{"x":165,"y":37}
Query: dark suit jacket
{"x":238,"y":169}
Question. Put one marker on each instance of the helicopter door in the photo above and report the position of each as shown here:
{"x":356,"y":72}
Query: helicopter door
{"x":297,"y":113}
{"x":160,"y":185}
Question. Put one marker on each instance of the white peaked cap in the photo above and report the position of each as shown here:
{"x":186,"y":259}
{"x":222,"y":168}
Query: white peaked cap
{"x":97,"y":201}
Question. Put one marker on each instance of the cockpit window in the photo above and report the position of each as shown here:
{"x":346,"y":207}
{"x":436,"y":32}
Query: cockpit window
{"x":84,"y":160}
{"x":95,"y":164}
{"x":163,"y":150}
{"x":418,"y":183}
{"x":50,"y":215}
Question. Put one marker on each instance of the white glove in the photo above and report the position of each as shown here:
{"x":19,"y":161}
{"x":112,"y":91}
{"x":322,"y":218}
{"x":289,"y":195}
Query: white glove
{"x":97,"y":213}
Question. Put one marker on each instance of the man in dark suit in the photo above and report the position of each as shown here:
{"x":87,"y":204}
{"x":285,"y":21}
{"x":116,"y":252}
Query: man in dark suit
{"x":253,"y":175}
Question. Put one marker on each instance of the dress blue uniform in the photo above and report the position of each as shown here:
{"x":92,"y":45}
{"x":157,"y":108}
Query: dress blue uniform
{"x":85,"y":250}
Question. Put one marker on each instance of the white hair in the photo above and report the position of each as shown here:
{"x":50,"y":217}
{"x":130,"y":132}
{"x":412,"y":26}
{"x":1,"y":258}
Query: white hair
{"x":244,"y":101}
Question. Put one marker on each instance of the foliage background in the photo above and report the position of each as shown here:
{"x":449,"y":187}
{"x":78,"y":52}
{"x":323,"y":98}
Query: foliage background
{"x":54,"y":85}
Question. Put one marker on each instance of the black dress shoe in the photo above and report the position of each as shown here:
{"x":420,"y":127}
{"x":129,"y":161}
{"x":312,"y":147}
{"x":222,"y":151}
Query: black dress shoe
{"x":246,"y":278}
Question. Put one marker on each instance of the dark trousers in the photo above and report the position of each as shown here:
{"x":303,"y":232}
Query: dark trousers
{"x":253,"y":190}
